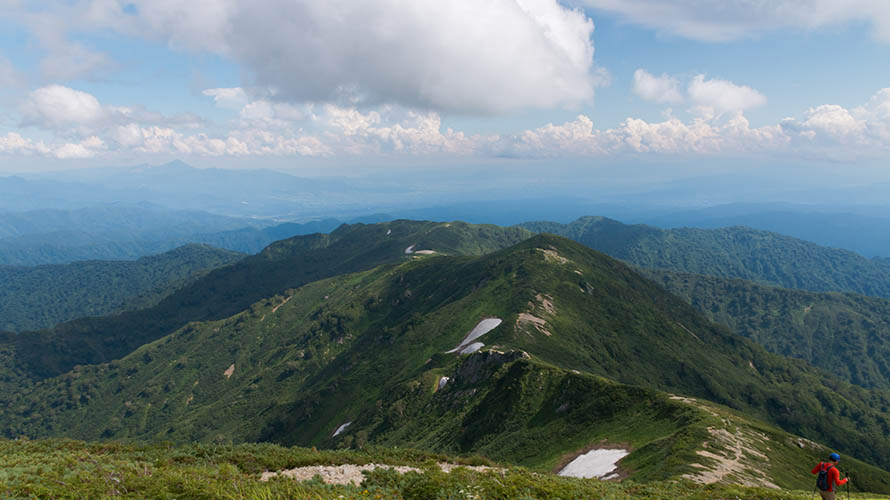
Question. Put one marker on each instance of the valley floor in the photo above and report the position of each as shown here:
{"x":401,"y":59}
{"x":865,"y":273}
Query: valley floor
{"x":63,"y":469}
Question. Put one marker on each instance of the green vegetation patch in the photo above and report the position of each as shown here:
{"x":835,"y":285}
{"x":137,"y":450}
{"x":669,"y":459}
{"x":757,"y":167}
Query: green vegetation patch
{"x":62,"y":469}
{"x":38,"y":297}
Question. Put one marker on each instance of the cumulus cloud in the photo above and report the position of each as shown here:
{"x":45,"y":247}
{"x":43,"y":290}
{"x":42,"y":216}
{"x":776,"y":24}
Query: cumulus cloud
{"x":395,"y":130}
{"x":722,"y":21}
{"x":84,"y":149}
{"x":847,"y":131}
{"x":255,"y":142}
{"x":709,"y":98}
{"x":664,"y":88}
{"x":671,"y":136}
{"x":457,"y":56}
{"x":88,"y":128}
{"x":722,"y":95}
{"x":57,"y":106}
{"x":14,"y":143}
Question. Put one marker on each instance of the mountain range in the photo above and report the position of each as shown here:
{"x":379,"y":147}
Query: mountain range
{"x":446,"y":337}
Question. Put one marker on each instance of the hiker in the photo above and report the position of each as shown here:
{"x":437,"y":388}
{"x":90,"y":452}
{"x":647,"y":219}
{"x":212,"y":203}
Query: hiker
{"x":828,"y":477}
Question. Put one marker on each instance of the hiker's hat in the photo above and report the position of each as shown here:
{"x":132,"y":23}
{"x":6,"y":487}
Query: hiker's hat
{"x":834,"y":457}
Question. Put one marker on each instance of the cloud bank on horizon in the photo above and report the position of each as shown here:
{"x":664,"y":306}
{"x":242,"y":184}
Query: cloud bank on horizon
{"x":345,"y":78}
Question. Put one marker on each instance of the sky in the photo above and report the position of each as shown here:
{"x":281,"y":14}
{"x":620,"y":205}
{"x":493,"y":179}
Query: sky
{"x":350,"y":86}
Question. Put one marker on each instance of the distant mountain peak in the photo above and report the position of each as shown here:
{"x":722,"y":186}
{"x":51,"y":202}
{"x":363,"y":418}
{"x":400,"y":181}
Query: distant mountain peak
{"x":176,"y":164}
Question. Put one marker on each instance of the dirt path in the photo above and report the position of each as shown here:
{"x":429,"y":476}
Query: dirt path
{"x":730,"y":464}
{"x":285,"y":301}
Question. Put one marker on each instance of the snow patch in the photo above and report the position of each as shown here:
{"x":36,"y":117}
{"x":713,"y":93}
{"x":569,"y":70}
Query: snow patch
{"x":388,"y":232}
{"x":410,"y":250}
{"x":595,"y":463}
{"x":481,"y":328}
{"x":341,"y":429}
{"x":425,"y":252}
{"x":475,"y":346}
{"x":442,"y":382}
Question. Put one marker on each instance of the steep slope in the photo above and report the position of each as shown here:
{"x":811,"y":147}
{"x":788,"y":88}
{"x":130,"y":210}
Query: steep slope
{"x":846,"y":334}
{"x":226,"y":291}
{"x":39,"y":297}
{"x":370,"y":349}
{"x":733,"y":252}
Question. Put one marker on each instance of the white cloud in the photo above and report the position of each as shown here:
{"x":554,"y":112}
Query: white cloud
{"x":14,"y":144}
{"x":833,"y":120}
{"x":232,"y":98}
{"x":395,"y":130}
{"x":457,"y":56}
{"x":238,"y":143}
{"x":664,"y":88}
{"x":709,"y":98}
{"x":848,"y":132}
{"x":87,"y":128}
{"x":84,"y":149}
{"x":56,"y":106}
{"x":722,"y":95}
{"x":72,"y":112}
{"x":671,"y":136}
{"x":719,"y":21}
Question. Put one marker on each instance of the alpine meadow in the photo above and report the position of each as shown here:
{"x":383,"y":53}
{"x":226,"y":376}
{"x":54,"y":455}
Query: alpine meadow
{"x":474,"y":249}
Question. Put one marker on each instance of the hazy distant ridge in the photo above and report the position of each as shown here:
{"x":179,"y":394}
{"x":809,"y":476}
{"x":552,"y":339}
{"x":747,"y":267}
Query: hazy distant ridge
{"x":732,"y":252}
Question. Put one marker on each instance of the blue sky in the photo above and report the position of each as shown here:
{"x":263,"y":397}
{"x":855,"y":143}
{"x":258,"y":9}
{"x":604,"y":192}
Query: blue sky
{"x":342,"y":84}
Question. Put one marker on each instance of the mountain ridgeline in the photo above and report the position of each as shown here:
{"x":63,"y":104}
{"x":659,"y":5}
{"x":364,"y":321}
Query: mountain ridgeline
{"x":733,"y":252}
{"x":583,"y":351}
{"x":38,"y":297}
{"x":286,"y":264}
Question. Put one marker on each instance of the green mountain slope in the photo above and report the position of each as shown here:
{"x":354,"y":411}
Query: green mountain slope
{"x":370,"y":348}
{"x":846,"y":334}
{"x":228,"y":290}
{"x":39,"y":297}
{"x":733,"y":252}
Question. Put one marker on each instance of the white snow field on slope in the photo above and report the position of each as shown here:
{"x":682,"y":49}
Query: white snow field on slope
{"x":341,"y":429}
{"x":481,"y":328}
{"x":475,"y":346}
{"x":594,"y":463}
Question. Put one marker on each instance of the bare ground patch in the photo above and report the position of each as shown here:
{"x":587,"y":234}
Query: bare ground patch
{"x":352,"y":474}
